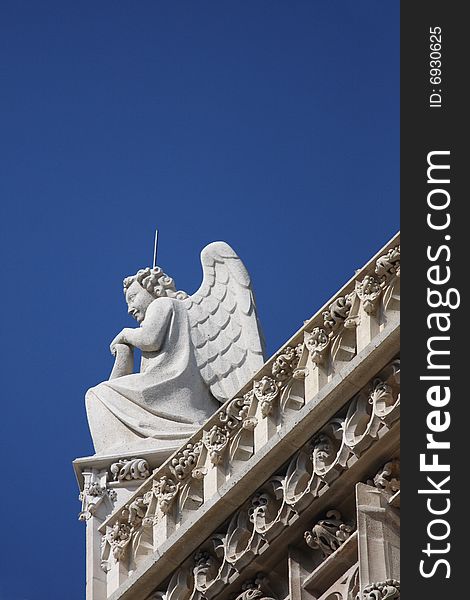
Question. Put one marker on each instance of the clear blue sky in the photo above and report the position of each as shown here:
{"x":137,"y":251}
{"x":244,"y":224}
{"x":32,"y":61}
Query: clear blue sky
{"x":273,"y":125}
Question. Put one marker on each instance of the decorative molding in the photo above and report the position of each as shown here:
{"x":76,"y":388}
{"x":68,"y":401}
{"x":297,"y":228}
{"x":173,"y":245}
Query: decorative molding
{"x":128,"y":469}
{"x":283,"y":498}
{"x":315,"y":466}
{"x":185,"y":460}
{"x":165,"y":491}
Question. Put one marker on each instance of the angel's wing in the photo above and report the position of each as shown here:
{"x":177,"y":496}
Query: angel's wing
{"x":224,"y":326}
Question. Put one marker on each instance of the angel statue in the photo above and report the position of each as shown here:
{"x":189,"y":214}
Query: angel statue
{"x":196,"y":351}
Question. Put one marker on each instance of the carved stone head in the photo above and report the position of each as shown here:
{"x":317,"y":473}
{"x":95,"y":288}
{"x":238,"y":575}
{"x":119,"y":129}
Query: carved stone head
{"x":323,"y":452}
{"x":144,"y":287}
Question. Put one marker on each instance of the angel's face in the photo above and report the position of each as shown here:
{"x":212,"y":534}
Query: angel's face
{"x":138,"y":300}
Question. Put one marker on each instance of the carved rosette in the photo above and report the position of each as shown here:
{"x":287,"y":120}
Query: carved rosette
{"x":388,"y":265}
{"x":368,"y":291}
{"x":383,"y":590}
{"x":317,"y":342}
{"x":266,"y":391}
{"x":328,"y":534}
{"x":129,"y":469}
{"x":215,"y":440}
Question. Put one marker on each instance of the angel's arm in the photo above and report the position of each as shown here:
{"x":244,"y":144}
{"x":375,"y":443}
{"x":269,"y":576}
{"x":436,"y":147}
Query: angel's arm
{"x":150,"y":336}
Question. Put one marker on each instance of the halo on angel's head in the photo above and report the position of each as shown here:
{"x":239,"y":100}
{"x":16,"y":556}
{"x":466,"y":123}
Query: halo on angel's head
{"x":156,"y":282}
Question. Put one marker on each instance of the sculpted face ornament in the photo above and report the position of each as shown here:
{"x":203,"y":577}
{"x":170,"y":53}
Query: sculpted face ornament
{"x":324,"y":453}
{"x":196,"y":350}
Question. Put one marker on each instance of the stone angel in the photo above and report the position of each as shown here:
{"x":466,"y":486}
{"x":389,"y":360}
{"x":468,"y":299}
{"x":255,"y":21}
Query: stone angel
{"x":196,"y":351}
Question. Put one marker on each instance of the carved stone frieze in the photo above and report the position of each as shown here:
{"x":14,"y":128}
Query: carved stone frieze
{"x":316,"y":465}
{"x":128,"y":469}
{"x":329,"y":534}
{"x":328,"y":451}
{"x":383,"y":590}
{"x":281,"y":500}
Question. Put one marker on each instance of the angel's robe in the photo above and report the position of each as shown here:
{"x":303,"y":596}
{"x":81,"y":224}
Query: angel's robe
{"x":163,"y":405}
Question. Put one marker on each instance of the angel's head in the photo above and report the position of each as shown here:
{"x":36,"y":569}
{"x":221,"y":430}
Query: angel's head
{"x":146,"y":286}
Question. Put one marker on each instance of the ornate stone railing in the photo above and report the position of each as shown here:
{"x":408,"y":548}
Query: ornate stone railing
{"x":297,"y":393}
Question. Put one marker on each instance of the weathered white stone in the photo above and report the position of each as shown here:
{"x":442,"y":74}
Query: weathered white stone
{"x":195,"y":350}
{"x":282,"y":452}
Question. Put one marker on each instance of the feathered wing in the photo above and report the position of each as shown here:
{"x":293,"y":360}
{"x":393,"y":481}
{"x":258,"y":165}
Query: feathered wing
{"x":224,"y":325}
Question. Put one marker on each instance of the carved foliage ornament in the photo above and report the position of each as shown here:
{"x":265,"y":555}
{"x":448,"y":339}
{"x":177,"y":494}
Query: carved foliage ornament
{"x":329,"y":534}
{"x":256,"y":589}
{"x":316,"y":341}
{"x":388,"y":264}
{"x":266,"y":391}
{"x":215,"y":440}
{"x":388,"y":478}
{"x":184,"y":461}
{"x":91,"y":496}
{"x":337,"y":313}
{"x":165,"y":491}
{"x":128,"y":469}
{"x":368,"y":291}
{"x":383,"y":590}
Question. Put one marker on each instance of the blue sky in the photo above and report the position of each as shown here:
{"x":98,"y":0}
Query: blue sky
{"x":272,"y":125}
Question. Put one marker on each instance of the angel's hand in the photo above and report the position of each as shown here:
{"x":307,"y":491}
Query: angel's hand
{"x":119,"y":339}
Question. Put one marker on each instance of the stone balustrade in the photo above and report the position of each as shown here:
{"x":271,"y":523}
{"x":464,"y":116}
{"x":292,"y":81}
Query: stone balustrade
{"x":313,"y":407}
